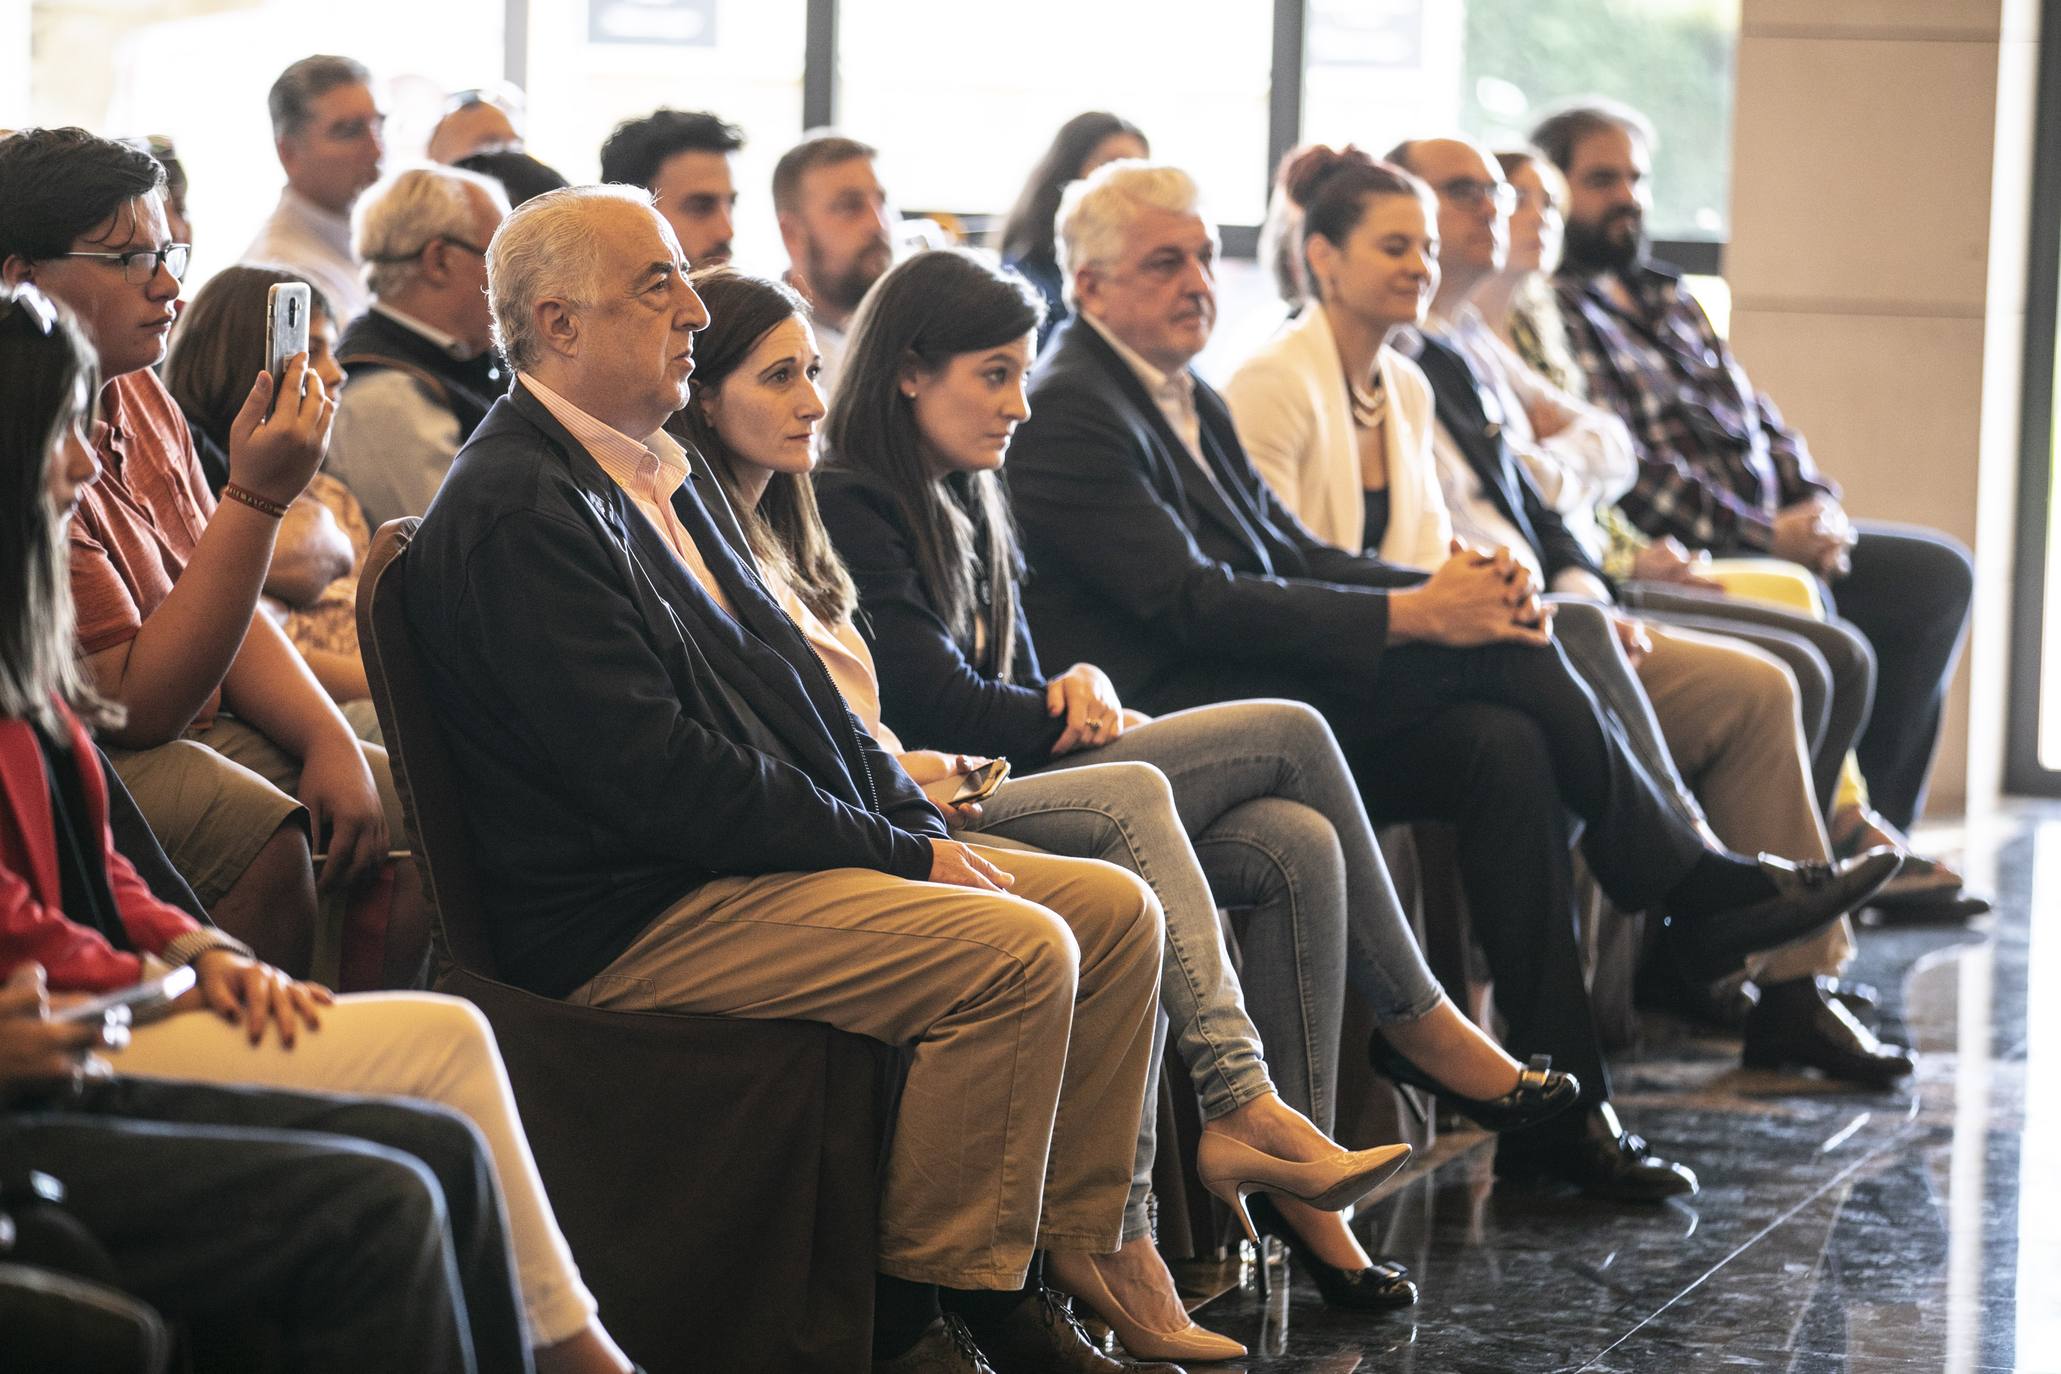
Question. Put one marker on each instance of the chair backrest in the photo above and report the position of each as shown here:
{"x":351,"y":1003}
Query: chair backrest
{"x":415,"y":748}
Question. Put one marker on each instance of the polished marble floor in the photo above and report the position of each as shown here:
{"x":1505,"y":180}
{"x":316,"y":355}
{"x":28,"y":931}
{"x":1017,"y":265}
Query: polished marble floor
{"x":1837,"y":1230}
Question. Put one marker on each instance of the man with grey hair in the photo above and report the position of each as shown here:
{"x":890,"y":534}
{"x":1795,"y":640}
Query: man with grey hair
{"x":329,"y":134}
{"x":421,"y":359}
{"x":675,"y":810}
{"x":1163,"y":557}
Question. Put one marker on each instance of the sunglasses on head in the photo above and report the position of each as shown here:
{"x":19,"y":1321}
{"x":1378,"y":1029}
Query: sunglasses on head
{"x":32,"y":305}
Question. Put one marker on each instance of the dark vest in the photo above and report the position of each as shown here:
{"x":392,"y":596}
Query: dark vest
{"x":467,"y":390}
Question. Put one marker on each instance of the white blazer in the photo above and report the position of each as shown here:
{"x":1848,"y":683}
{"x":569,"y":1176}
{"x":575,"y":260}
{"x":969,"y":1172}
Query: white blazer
{"x":1289,"y":403}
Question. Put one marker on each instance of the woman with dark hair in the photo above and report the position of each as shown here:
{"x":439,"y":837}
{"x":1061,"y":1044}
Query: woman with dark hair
{"x":72,"y":903}
{"x":1029,"y":239}
{"x":912,"y":495}
{"x":1365,"y":243}
{"x":313,"y":582}
{"x":753,"y":418}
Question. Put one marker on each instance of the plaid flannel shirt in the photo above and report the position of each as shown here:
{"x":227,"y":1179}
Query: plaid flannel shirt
{"x":1715,"y":460}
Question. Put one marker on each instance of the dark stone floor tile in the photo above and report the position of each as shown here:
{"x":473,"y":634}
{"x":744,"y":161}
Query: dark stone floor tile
{"x":1837,"y":1230}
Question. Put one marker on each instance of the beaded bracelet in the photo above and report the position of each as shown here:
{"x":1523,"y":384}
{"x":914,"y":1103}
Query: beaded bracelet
{"x":262,"y":505}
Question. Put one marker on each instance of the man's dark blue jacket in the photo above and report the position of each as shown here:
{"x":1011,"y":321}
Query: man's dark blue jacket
{"x":619,"y":739}
{"x":1185,"y":587}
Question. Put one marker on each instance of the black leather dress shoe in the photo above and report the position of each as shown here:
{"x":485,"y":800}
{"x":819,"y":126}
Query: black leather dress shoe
{"x":1723,"y":1005}
{"x":1859,"y":998}
{"x":947,"y":1348}
{"x":1041,"y":1335}
{"x":1950,"y":908}
{"x":1800,"y":1022}
{"x":1599,"y":1156}
{"x":1807,"y":897}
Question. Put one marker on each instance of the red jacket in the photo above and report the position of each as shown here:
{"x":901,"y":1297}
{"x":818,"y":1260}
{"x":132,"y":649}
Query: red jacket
{"x":32,"y":925}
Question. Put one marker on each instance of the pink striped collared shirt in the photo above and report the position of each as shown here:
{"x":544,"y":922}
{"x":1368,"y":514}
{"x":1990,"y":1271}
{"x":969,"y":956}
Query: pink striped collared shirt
{"x":650,"y":470}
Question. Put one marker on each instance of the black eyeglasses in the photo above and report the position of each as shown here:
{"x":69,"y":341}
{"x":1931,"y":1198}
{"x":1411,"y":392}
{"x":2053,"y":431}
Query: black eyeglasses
{"x":31,"y":305}
{"x":140,"y":265}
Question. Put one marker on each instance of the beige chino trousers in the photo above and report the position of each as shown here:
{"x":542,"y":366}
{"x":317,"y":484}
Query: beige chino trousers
{"x":1728,"y":712}
{"x":1029,"y":1015}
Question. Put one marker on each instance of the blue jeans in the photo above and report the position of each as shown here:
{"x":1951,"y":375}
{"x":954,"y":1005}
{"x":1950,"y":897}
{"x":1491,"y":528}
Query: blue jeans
{"x":1249,"y":805}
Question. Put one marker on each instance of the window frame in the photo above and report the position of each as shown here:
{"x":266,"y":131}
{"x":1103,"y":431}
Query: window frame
{"x":2024,"y":774}
{"x":1704,"y":257}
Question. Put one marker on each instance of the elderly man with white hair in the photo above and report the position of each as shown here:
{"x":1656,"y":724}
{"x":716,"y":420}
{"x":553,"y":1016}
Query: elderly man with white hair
{"x":674,"y":809}
{"x":1163,"y":557}
{"x":421,"y":359}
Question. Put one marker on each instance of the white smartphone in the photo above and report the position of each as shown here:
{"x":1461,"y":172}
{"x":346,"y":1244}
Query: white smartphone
{"x":286,"y":326}
{"x":143,"y":999}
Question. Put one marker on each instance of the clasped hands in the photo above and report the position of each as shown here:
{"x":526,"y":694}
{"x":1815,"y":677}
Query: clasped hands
{"x":1477,"y":596}
{"x":1817,"y":534}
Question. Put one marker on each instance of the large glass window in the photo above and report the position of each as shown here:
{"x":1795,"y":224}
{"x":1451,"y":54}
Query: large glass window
{"x":158,"y":68}
{"x":963,"y":100}
{"x":1380,"y":71}
{"x":593,"y":64}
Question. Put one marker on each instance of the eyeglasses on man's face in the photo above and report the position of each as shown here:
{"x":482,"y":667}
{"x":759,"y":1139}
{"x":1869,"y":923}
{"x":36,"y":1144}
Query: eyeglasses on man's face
{"x":1469,"y":194}
{"x":139,"y":265}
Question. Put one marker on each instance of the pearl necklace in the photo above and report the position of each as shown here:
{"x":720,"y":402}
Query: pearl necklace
{"x":1369,"y":405}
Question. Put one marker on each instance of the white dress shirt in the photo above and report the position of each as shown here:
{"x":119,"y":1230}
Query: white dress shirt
{"x":1174,"y":394}
{"x":316,"y":243}
{"x":1588,"y":462}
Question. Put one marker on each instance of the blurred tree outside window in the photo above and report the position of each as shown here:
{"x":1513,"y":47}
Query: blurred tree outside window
{"x":1672,"y":59}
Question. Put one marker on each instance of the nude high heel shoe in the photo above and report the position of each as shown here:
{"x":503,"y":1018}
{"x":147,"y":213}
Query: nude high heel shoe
{"x":1191,"y":1343}
{"x":1233,"y":1171}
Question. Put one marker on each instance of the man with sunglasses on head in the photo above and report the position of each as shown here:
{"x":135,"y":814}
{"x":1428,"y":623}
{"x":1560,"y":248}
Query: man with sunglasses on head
{"x":235,"y":754}
{"x":421,"y":359}
{"x":329,"y":133}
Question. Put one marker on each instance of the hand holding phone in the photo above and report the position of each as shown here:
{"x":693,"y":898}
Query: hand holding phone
{"x":981,"y":783}
{"x":141,"y":1001}
{"x":286,"y":327}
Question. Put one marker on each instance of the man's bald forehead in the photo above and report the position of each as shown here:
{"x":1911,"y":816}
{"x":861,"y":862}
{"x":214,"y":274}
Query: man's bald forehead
{"x":1436,"y":159}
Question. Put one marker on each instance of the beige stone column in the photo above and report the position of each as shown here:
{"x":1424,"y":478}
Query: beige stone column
{"x":1882,"y":154}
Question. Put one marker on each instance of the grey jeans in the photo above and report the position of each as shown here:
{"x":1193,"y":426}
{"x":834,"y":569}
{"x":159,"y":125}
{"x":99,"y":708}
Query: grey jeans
{"x":1247,"y":805}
